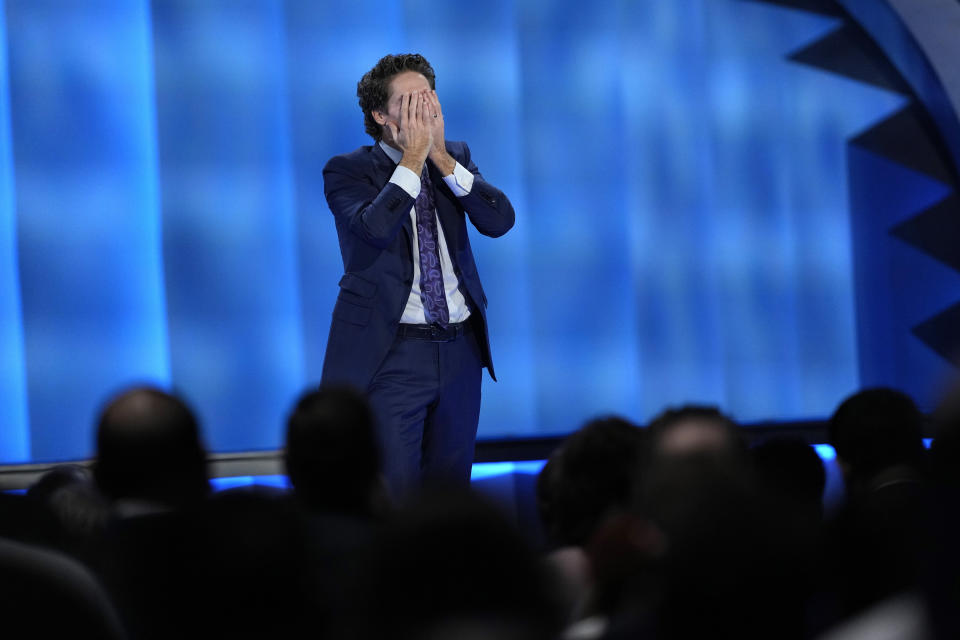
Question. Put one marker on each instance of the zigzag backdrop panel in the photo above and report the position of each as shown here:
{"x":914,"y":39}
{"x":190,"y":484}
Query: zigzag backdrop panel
{"x":683,"y":234}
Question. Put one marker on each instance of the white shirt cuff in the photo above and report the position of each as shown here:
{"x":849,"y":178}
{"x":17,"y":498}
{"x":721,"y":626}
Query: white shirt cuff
{"x":407,"y":180}
{"x":460,"y":181}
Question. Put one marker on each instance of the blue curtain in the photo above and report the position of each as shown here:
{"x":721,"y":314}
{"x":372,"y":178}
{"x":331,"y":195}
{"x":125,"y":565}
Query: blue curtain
{"x":682,"y":235}
{"x":14,"y":434}
{"x":81,"y":104}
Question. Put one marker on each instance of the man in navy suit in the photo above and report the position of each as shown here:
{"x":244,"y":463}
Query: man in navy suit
{"x":409,"y":326}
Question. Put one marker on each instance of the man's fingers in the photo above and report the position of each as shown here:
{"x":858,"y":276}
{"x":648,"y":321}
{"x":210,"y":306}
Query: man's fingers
{"x":435,"y":101}
{"x":426,"y":115}
{"x":419,"y":107}
{"x":404,"y":110}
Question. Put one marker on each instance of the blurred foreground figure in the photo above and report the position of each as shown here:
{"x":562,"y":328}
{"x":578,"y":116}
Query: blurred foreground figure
{"x":945,"y":449}
{"x":880,"y":544}
{"x":331,"y":453}
{"x":588,"y":479}
{"x":591,"y":475}
{"x":47,"y":595}
{"x":730,"y":551}
{"x":696,"y":429}
{"x":149,"y":453}
{"x":704,"y":552}
{"x":943,"y":585}
{"x":151,"y":467}
{"x":877,"y":437}
{"x":333,"y":462}
{"x":75,"y":511}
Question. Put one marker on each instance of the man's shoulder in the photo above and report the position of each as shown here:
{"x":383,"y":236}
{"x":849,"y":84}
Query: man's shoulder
{"x":359,"y":156}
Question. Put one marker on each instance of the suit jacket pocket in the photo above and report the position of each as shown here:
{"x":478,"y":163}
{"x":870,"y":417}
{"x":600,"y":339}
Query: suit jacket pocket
{"x":360,"y":286}
{"x":352,"y":313}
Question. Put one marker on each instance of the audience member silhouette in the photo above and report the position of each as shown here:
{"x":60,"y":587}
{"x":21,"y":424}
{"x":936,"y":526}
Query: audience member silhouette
{"x":877,"y":435}
{"x":942,"y":578}
{"x":672,"y":532}
{"x":44,"y":594}
{"x":151,"y":466}
{"x":588,"y":479}
{"x":331,"y":453}
{"x":333,"y":462}
{"x":590,"y":476}
{"x":732,"y":567}
{"x":249,"y":575}
{"x":705,"y":553}
{"x":149,"y":453}
{"x":25,"y":520}
{"x":878,"y":546}
{"x":625,"y":554}
{"x":693,"y":429}
{"x":945,"y":448}
{"x":78,"y":514}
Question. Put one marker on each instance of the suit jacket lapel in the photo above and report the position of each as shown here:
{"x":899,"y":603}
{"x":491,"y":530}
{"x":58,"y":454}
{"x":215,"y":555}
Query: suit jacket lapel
{"x":383,"y":166}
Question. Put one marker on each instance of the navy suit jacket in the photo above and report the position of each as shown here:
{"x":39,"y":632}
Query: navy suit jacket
{"x":374,"y":228}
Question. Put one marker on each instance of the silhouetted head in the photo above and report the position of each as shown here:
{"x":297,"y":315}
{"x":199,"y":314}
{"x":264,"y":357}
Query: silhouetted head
{"x":67,"y":494}
{"x":331,"y":451}
{"x":876,"y":429}
{"x":149,"y":449}
{"x":728,"y":567}
{"x":695,"y":429}
{"x":590,"y":476}
{"x":57,"y":478}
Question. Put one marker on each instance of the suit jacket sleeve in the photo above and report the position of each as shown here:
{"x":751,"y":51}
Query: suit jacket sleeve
{"x":374,"y":214}
{"x":487,"y":207}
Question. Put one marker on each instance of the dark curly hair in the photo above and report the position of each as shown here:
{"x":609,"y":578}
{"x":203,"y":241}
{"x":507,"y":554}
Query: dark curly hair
{"x":373,"y":86}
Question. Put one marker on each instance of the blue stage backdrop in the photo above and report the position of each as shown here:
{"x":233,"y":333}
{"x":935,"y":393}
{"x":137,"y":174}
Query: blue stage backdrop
{"x":683,"y":227}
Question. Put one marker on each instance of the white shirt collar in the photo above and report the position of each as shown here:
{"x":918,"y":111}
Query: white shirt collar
{"x":394,"y":154}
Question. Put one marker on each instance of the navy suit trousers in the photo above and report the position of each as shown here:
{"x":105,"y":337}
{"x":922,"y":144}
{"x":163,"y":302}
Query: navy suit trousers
{"x":426,"y":398}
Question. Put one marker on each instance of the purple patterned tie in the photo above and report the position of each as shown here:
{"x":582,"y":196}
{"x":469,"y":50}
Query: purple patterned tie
{"x":431,"y":277}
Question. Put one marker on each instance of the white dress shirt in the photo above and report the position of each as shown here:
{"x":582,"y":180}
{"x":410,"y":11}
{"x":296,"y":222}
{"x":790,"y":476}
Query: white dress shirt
{"x":460,"y":182}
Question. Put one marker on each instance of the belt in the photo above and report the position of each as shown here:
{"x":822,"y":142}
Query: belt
{"x":433,"y":332}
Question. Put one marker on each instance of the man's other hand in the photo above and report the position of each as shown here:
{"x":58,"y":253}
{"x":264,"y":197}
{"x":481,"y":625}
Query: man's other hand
{"x":438,"y":151}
